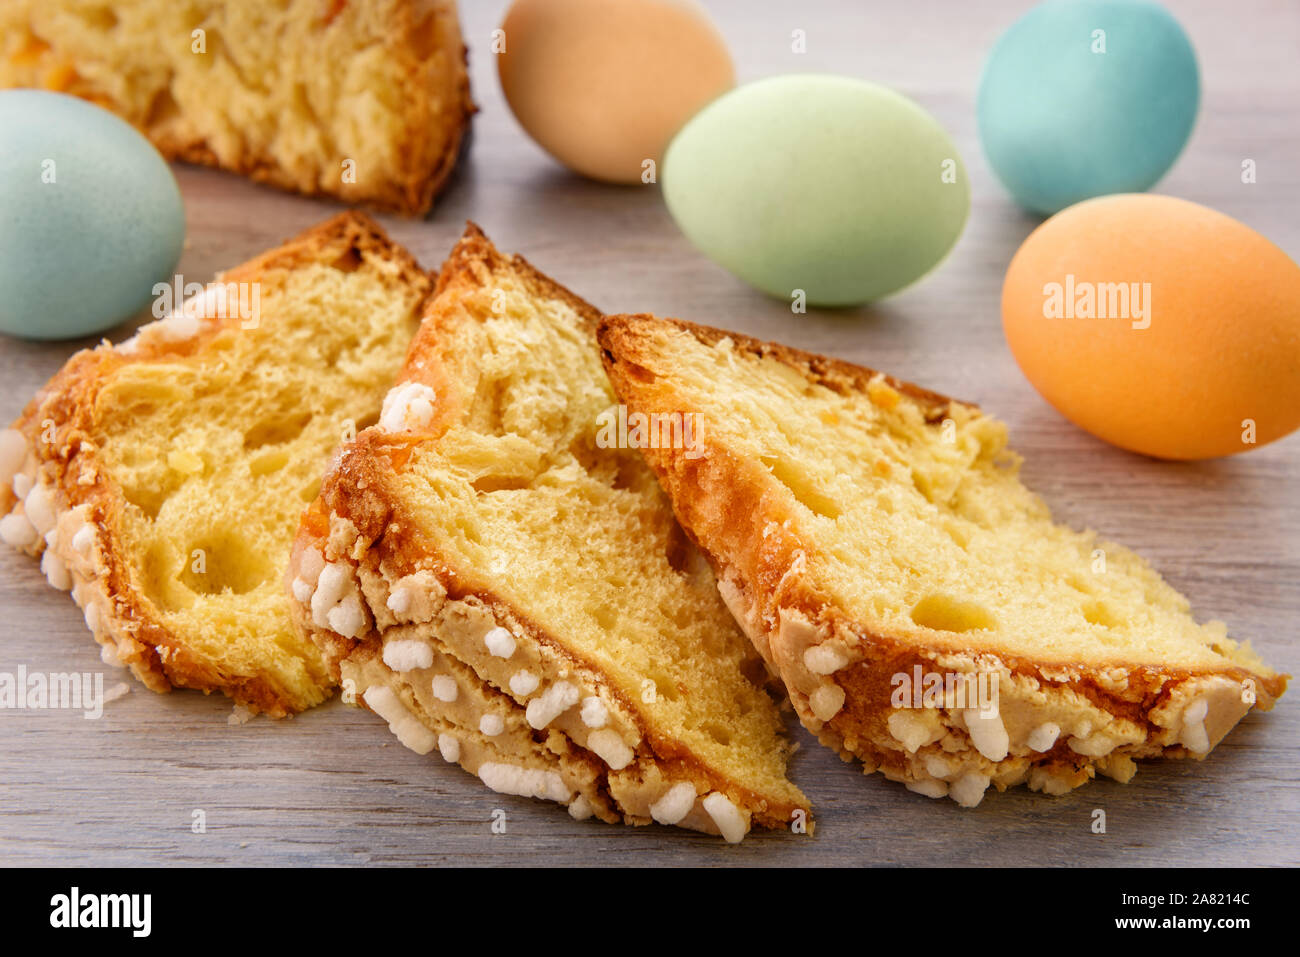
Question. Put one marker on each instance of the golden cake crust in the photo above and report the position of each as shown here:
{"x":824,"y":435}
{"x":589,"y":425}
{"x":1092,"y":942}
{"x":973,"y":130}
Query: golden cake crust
{"x":1121,"y":710}
{"x":61,"y":458}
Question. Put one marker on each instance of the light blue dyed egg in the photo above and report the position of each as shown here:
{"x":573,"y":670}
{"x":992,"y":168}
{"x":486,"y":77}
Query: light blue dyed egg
{"x":1082,"y":98}
{"x":92,"y":217}
{"x":827,"y":185}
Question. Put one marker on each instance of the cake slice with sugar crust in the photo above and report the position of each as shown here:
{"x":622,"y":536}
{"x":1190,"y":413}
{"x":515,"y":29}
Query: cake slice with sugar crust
{"x":876,"y":544}
{"x":479,"y":549}
{"x":161,"y":479}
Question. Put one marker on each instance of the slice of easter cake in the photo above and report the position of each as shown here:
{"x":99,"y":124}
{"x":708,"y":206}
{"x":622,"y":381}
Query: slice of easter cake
{"x":161,"y":479}
{"x":496,"y":581}
{"x":926,"y":614}
{"x":364,"y":101}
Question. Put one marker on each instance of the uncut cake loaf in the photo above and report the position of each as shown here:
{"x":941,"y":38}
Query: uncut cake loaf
{"x":500,"y":584}
{"x":876,"y":544}
{"x":364,"y":100}
{"x":161,"y":479}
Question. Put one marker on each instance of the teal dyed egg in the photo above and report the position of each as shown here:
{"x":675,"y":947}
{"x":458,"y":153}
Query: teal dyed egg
{"x":92,"y":217}
{"x":839,"y":188}
{"x":1083,"y":98}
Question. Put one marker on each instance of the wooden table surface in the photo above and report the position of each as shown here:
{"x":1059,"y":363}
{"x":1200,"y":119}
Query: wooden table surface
{"x":334,"y":787}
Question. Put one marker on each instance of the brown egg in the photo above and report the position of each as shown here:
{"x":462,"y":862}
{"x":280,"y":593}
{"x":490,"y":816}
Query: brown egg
{"x":603,"y":85}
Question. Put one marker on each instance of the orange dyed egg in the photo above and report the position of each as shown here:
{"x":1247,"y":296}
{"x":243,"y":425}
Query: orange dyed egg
{"x":1159,"y":325}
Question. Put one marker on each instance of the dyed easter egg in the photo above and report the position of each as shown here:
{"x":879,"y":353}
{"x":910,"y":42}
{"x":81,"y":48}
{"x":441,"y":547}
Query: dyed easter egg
{"x":602,"y":85}
{"x":839,"y":189}
{"x":1159,"y":325}
{"x":92,"y":217}
{"x":1081,"y":98}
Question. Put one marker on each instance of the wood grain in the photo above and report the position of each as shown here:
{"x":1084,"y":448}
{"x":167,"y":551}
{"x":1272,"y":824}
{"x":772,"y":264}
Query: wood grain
{"x":333,"y":787}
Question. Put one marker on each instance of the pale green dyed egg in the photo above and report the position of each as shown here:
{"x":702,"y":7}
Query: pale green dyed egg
{"x":92,"y":217}
{"x":839,"y":188}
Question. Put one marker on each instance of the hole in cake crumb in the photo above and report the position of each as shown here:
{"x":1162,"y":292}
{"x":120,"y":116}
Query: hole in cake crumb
{"x":486,"y":484}
{"x":585,"y":452}
{"x":350,"y":261}
{"x":336,"y":349}
{"x":1101,"y":613}
{"x":310,"y":492}
{"x":222,"y":563}
{"x":924,"y":484}
{"x":162,"y":109}
{"x":630,"y":474}
{"x":959,"y":535}
{"x":604,"y":616}
{"x":678,"y":550}
{"x":678,"y":614}
{"x":1079,"y":584}
{"x":718,"y":732}
{"x":148,"y":501}
{"x":491,"y":400}
{"x":275,"y":430}
{"x":146,"y":489}
{"x":946,"y":613}
{"x":665,"y":687}
{"x":157,"y":571}
{"x":805,"y":494}
{"x":755,"y":671}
